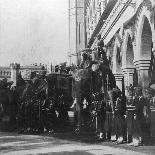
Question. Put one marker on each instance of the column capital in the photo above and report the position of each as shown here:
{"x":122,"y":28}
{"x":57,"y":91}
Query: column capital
{"x":142,"y":64}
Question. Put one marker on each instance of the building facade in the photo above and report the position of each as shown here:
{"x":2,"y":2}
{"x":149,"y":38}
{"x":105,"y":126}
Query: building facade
{"x":11,"y":73}
{"x":128,"y":31}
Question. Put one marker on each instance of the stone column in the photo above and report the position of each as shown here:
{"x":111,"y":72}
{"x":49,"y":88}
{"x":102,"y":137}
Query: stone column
{"x":143,"y":72}
{"x":14,"y":72}
{"x":128,"y":78}
{"x":119,"y":81}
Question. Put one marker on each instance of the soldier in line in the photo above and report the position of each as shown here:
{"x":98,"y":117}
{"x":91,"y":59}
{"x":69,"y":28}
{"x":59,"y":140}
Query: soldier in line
{"x":119,"y":113}
{"x":139,"y":116}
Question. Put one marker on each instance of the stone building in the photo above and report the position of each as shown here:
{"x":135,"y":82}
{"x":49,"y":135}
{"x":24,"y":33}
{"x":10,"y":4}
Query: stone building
{"x":127,"y":28}
{"x":11,"y":73}
{"x":5,"y":72}
{"x":128,"y":31}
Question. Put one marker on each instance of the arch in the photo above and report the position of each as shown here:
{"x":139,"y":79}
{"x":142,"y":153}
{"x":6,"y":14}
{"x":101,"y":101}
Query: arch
{"x":143,"y":22}
{"x":145,"y":36}
{"x":128,"y":50}
{"x":129,"y":53}
{"x":117,"y":58}
{"x":146,"y":40}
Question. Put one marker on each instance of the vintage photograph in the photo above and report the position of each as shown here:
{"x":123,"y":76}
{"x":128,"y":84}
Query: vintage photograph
{"x":77,"y":77}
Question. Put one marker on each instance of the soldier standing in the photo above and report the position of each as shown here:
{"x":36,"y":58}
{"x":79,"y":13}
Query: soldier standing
{"x":120,"y":110}
{"x":139,"y":119}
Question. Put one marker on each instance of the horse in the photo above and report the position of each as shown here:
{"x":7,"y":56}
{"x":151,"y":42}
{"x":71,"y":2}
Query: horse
{"x":7,"y":102}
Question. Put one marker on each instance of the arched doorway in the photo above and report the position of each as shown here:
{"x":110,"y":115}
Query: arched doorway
{"x":146,"y":53}
{"x":146,"y":39}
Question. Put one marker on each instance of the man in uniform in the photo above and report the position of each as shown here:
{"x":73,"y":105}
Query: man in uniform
{"x":139,"y":118}
{"x":119,"y":113}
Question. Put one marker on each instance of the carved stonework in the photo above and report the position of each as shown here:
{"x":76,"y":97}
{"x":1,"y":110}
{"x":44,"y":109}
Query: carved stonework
{"x":148,"y":4}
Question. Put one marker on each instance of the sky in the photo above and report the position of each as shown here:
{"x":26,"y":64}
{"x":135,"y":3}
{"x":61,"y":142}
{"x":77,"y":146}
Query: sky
{"x":33,"y":31}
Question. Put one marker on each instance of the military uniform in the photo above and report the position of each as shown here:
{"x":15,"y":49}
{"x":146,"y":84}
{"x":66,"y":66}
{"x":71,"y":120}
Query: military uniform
{"x":139,"y":118}
{"x":120,"y":110}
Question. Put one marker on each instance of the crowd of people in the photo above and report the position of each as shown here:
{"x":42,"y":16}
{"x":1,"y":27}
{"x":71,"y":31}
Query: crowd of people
{"x":97,"y":102}
{"x":127,"y":118}
{"x":30,"y":106}
{"x":39,"y":111}
{"x":123,"y":119}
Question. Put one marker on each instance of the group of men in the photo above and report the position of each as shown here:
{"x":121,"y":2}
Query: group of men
{"x":39,"y":111}
{"x":123,"y":120}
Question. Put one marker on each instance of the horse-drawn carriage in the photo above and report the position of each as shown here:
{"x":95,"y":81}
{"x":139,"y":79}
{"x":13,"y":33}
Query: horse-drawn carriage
{"x":59,"y":83}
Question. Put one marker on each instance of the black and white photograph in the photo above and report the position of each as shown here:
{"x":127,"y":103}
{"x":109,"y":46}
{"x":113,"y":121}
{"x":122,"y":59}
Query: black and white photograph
{"x":77,"y":77}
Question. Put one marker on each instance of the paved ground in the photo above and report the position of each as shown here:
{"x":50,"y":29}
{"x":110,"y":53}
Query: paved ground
{"x":64,"y":144}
